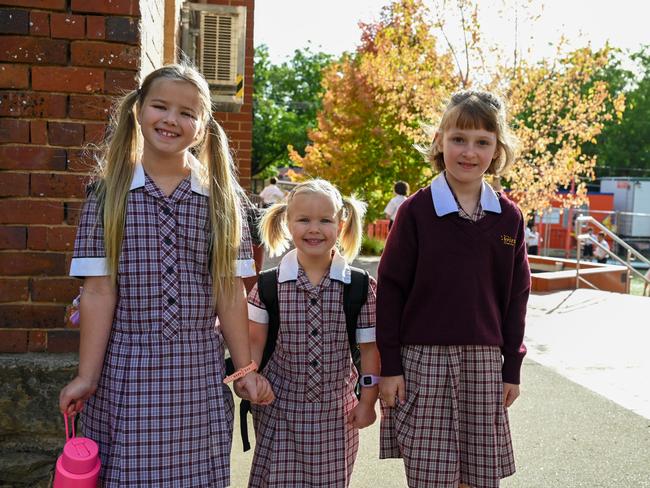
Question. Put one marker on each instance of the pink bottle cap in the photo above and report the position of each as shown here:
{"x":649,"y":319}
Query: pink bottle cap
{"x":80,"y":455}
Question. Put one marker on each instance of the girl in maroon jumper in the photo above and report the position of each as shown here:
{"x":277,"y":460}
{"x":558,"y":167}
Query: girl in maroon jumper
{"x":309,"y":435}
{"x":453,"y":283}
{"x":162,"y":247}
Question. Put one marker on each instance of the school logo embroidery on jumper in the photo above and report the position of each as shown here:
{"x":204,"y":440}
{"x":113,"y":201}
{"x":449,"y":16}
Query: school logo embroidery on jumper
{"x":508,"y":241}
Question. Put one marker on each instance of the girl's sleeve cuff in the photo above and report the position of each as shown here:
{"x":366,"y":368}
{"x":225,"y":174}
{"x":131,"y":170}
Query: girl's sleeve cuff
{"x":82,"y":267}
{"x":391,"y":360}
{"x":365,"y":334}
{"x":511,"y":369}
{"x":245,"y":268}
{"x":257,"y":314}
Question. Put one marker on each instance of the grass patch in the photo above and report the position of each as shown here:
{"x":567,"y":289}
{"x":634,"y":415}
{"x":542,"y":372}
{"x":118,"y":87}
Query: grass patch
{"x":371,"y":246}
{"x":636,"y":286}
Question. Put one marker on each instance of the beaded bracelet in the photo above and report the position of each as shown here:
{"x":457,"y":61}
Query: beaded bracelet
{"x":241,"y":372}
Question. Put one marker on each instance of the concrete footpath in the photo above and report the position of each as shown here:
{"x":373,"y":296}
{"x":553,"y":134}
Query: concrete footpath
{"x":598,"y":339}
{"x":583,"y":418}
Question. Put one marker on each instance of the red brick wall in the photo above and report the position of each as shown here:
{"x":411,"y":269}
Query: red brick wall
{"x":239,"y":125}
{"x":61,"y":64}
{"x":61,"y":61}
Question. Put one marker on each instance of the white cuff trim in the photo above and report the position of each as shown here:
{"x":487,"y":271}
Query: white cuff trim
{"x":257,"y":314}
{"x":365,"y":334}
{"x":245,"y":268}
{"x":82,"y":267}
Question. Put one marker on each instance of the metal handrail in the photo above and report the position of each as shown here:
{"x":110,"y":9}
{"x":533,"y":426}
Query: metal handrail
{"x":582,"y":220}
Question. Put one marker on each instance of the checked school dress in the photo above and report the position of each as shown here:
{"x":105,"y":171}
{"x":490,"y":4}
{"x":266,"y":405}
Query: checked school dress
{"x":302,"y":439}
{"x":161,"y":414}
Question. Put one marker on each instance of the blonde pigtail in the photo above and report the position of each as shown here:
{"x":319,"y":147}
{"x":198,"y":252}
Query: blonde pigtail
{"x":352,"y":231}
{"x":273,"y":229}
{"x":225,"y":209}
{"x":115,"y":175}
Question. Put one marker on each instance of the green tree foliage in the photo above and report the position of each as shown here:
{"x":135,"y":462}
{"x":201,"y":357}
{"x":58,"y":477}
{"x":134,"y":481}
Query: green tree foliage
{"x":623,"y":147}
{"x":286,"y":99}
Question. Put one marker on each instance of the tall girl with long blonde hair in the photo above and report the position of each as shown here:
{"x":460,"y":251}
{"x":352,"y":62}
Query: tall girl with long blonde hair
{"x":162,"y":251}
{"x":309,"y":435}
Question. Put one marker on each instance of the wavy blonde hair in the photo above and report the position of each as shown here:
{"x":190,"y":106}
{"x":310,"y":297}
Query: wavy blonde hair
{"x":116,"y":165}
{"x":275,"y":233}
{"x":474,"y":109}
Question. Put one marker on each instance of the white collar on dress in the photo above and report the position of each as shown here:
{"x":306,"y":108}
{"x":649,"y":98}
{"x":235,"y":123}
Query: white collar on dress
{"x":339,"y":269}
{"x":444,"y":202}
{"x":197,"y":187}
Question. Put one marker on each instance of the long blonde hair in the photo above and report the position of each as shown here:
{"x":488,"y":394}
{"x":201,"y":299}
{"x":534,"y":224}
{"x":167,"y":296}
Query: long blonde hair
{"x":275,"y":233}
{"x":216,"y":172}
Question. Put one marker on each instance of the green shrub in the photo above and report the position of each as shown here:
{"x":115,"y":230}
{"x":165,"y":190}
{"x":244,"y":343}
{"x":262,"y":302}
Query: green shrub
{"x":371,"y":246}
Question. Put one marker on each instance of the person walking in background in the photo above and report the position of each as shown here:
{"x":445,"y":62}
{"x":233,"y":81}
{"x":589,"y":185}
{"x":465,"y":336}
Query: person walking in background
{"x":401,"y":190}
{"x":271,"y":193}
{"x":601,"y":249}
{"x":588,"y":247}
{"x":453,"y":284}
{"x":532,"y":239}
{"x":309,"y":435}
{"x":162,"y":246}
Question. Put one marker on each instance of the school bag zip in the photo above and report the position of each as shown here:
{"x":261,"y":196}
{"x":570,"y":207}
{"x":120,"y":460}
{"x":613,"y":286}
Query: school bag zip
{"x":355,"y":295}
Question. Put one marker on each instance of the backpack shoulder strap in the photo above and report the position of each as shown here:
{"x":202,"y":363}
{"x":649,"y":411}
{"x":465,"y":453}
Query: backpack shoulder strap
{"x":355,"y":295}
{"x":267,"y":287}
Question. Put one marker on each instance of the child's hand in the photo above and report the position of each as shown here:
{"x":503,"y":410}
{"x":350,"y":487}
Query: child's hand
{"x":392,"y":389}
{"x":74,"y":394}
{"x":246,"y":387}
{"x":265,"y":394}
{"x":510,"y":394}
{"x":362,"y":415}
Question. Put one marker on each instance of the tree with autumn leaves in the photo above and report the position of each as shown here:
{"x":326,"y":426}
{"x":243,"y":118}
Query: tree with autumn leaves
{"x":557,"y":108}
{"x":373,"y":105}
{"x":376,"y":100}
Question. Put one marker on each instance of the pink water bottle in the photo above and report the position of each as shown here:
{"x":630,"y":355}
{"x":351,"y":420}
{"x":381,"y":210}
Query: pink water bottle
{"x":78,"y":465}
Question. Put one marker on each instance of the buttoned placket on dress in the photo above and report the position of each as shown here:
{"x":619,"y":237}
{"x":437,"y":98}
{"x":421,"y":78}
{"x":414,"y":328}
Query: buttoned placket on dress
{"x":314,"y":324}
{"x":168,"y":259}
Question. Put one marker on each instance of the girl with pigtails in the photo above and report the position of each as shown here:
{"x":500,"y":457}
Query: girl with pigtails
{"x":162,"y":251}
{"x":308,"y":436}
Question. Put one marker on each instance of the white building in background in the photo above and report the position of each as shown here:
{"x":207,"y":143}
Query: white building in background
{"x":631,"y":196}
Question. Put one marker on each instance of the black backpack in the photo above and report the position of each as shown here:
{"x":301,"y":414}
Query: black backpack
{"x":355,"y":295}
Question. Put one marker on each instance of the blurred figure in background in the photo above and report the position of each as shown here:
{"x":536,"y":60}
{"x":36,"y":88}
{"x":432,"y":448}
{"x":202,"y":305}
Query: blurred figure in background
{"x":588,"y":247}
{"x":532,"y":239}
{"x":271,"y":193}
{"x":601,"y":253}
{"x":401,"y":190}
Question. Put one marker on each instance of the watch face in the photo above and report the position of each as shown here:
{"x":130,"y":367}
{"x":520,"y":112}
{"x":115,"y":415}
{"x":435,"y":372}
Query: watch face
{"x":366,"y":380}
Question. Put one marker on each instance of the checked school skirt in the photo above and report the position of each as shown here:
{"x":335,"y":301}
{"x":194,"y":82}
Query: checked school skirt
{"x":161,"y":415}
{"x":453,"y":427}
